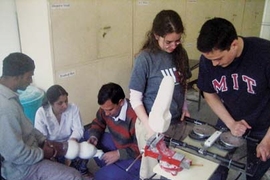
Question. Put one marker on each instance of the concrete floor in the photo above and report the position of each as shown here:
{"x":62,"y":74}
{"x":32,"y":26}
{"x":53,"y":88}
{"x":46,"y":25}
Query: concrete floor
{"x":205,"y":114}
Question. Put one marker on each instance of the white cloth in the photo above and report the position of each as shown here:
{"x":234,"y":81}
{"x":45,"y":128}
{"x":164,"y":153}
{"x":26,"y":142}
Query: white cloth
{"x":70,"y":125}
{"x":135,"y":98}
{"x":122,"y":114}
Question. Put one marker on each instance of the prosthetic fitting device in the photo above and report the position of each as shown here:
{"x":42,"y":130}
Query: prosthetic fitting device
{"x":159,"y":121}
{"x":169,"y":160}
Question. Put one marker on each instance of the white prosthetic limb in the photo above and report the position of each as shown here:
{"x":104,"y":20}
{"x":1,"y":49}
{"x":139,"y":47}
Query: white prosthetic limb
{"x":160,"y":116}
{"x":73,"y":149}
{"x":88,"y":151}
{"x":84,"y":150}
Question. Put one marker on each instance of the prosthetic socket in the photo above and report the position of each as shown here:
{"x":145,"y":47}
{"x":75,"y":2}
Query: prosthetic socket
{"x":160,"y":116}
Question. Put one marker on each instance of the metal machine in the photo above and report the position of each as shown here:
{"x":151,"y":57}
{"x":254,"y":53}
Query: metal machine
{"x":161,"y":147}
{"x":169,"y":160}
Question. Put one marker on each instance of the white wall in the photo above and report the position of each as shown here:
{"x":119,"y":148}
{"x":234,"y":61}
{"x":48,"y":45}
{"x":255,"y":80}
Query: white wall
{"x":35,"y":41}
{"x":10,"y":41}
{"x":265,"y":30}
{"x":9,"y":37}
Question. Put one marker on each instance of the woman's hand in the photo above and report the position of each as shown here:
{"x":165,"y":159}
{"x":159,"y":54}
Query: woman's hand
{"x":263,"y":150}
{"x":185,"y":113}
{"x":74,"y":139}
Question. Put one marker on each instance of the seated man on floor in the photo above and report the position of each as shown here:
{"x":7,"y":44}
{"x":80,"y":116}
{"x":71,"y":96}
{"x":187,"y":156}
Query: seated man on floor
{"x":120,"y":143}
{"x":25,"y":152}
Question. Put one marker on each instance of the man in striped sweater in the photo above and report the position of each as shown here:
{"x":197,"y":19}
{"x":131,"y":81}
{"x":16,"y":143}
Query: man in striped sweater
{"x":113,"y":131}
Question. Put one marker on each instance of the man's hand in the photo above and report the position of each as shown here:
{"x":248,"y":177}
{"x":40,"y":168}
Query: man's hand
{"x":111,"y":157}
{"x":48,"y":150}
{"x":263,"y":149}
{"x":93,"y":140}
{"x":52,"y":149}
{"x":238,"y":128}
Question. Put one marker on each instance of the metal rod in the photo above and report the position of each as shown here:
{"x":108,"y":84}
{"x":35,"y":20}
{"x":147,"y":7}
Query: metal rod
{"x":127,"y":169}
{"x":195,"y":121}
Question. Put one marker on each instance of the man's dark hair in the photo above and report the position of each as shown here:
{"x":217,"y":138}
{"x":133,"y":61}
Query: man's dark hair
{"x":16,"y":64}
{"x":216,"y":34}
{"x":110,"y":91}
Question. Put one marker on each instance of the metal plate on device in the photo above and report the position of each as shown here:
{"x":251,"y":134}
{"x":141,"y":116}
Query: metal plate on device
{"x":203,"y":130}
{"x":230,"y":140}
{"x":220,"y":145}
